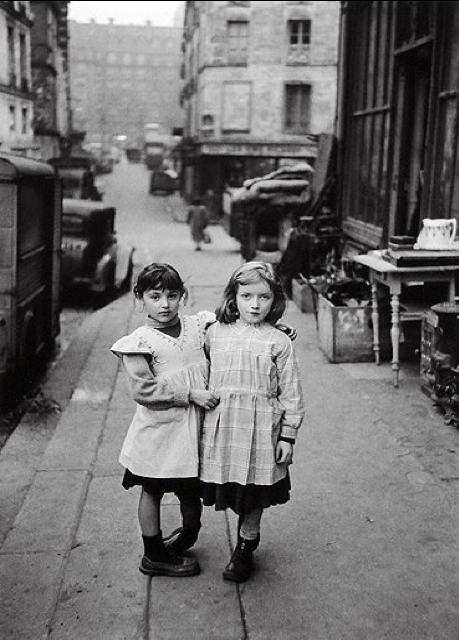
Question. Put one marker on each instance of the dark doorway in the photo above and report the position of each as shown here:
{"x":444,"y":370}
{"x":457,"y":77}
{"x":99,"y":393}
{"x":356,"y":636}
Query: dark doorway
{"x":410,"y":134}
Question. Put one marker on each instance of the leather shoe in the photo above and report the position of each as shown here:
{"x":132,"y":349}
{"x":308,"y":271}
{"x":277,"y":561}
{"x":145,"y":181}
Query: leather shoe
{"x":174,"y":567}
{"x":239,"y":568}
{"x":180,"y":540}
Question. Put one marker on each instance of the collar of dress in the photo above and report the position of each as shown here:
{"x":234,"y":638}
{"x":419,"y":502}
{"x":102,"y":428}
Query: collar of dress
{"x":151,"y":322}
{"x":242,"y":324}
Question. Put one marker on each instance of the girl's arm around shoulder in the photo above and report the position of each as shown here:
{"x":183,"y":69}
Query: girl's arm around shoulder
{"x":206,"y":319}
{"x":291,"y":332}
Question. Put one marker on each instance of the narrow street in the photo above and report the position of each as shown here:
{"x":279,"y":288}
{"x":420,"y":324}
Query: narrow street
{"x":366,"y":548}
{"x":154,"y":225}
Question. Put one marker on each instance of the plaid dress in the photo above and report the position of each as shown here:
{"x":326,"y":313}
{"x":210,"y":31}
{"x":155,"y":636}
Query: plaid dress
{"x":255,"y":372}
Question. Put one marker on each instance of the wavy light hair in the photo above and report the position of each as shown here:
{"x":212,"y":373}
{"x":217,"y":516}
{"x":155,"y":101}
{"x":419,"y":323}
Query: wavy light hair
{"x":250,"y":272}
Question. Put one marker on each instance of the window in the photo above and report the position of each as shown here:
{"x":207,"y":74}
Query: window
{"x":24,"y":120}
{"x":12,"y":119}
{"x":236,"y":106}
{"x":237,"y":38}
{"x":23,"y":61}
{"x":11,"y":57}
{"x":299,"y":33}
{"x":297,"y":107}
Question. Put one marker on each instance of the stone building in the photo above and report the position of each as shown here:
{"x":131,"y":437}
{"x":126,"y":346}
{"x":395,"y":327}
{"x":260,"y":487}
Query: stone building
{"x":16,"y":98}
{"x":260,"y":84}
{"x":124,"y":76}
{"x":50,"y":79}
{"x":34,"y":89}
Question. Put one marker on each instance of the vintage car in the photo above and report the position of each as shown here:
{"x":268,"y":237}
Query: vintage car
{"x":93,"y":260}
{"x":78,"y":177}
{"x":163,"y":181}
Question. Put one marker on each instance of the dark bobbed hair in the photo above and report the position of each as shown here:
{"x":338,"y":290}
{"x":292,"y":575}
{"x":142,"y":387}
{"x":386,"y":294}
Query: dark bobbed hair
{"x":248,"y":273}
{"x":159,"y":275}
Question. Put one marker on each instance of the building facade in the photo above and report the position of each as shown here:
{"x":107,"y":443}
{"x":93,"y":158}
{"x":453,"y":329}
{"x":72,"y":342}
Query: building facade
{"x":50,"y":78}
{"x":124,"y":76}
{"x":34,"y":88}
{"x":260,"y":83}
{"x":398,"y":126}
{"x":16,"y":97}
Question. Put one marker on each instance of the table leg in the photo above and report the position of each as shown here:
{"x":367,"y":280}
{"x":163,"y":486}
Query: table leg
{"x":452,"y":288}
{"x":375,"y":319}
{"x":395,"y":335}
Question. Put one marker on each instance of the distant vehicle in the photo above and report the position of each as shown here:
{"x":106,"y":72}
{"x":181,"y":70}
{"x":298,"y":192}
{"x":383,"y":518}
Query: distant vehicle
{"x":92,"y":258}
{"x":133,"y":154}
{"x":154,"y":146}
{"x":163,"y":181}
{"x":78,"y":180}
{"x":103,"y":156}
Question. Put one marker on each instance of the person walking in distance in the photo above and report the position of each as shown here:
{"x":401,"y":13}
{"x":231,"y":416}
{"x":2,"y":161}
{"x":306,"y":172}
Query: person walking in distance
{"x":198,"y":220}
{"x":167,"y":372}
{"x":248,"y":437}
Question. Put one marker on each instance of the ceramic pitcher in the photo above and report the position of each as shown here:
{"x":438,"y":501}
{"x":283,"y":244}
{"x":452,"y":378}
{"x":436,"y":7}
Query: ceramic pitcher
{"x":437,"y":234}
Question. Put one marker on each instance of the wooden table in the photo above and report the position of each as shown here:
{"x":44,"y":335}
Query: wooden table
{"x":387,"y":274}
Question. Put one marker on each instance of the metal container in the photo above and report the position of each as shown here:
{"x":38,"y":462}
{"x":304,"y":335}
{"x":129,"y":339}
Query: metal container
{"x":30,"y":245}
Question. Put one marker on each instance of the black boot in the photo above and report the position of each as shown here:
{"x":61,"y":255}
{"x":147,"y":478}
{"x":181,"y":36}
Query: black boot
{"x":255,"y":542}
{"x":239,"y":568}
{"x":159,"y":561}
{"x":181,"y":539}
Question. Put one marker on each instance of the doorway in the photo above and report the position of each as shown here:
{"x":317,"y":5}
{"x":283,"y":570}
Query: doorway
{"x":410,"y":138}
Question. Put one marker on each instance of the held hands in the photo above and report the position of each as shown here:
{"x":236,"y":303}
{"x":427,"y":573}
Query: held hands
{"x":203,"y":398}
{"x":284,"y":452}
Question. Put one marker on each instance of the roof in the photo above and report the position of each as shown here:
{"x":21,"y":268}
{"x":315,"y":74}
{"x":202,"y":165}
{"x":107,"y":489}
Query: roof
{"x":12,"y":166}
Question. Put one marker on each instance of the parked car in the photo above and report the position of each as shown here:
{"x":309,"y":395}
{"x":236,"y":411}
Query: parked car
{"x":78,"y":177}
{"x":93,"y":259}
{"x":164,"y":181}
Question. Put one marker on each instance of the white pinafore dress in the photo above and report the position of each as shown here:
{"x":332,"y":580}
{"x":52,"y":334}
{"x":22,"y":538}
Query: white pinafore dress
{"x":162,"y":439}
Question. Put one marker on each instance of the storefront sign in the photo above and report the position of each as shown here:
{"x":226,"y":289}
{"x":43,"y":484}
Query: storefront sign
{"x":259,"y":149}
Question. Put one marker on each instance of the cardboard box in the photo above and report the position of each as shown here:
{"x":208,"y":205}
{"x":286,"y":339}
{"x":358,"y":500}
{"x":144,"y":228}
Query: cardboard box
{"x":345,"y":333}
{"x":302,"y":296}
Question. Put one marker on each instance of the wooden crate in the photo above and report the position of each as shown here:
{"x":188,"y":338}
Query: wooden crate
{"x":345,"y":333}
{"x":302,"y":296}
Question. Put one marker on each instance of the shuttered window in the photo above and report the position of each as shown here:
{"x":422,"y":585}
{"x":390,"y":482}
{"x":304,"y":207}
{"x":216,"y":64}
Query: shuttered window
{"x":297,"y":107}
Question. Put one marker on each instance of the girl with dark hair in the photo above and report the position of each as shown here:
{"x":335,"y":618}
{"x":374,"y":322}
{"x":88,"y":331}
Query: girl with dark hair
{"x":168,"y":374}
{"x":247,"y":438}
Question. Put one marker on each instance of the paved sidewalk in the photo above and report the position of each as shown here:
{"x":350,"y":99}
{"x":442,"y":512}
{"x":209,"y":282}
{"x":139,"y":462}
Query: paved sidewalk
{"x":366,"y":549}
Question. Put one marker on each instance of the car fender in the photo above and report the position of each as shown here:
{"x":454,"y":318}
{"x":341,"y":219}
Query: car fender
{"x":123,"y":260}
{"x":103,"y":273}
